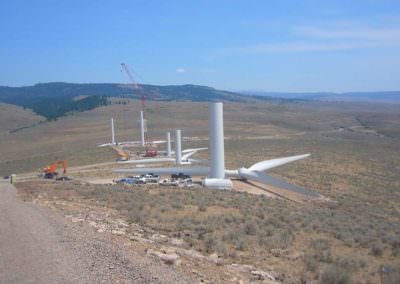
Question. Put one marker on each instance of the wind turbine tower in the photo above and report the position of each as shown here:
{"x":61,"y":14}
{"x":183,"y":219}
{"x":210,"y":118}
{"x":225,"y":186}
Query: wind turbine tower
{"x":112,"y":132}
{"x":169,"y":153}
{"x":142,"y":129}
{"x":216,"y":178}
{"x":178,"y":147}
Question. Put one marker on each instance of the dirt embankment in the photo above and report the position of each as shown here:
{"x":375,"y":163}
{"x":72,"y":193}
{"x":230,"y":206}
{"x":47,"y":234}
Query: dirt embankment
{"x":37,"y":245}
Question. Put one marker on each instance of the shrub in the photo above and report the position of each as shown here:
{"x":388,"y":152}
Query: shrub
{"x":392,"y":277}
{"x":177,"y":205}
{"x":202,"y":208}
{"x":209,"y":243}
{"x":310,"y":263}
{"x":135,"y":216}
{"x":377,"y":249}
{"x":321,"y":244}
{"x":242,"y":246}
{"x":250,"y":228}
{"x":335,"y":275}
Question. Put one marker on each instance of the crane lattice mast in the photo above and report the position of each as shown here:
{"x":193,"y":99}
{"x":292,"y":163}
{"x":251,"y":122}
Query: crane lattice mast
{"x":134,"y":84}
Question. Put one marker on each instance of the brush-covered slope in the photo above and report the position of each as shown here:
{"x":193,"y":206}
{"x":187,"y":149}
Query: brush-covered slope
{"x":52,"y":100}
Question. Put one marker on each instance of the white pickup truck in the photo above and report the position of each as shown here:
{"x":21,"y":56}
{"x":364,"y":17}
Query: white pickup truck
{"x":148,"y":179}
{"x":169,"y":182}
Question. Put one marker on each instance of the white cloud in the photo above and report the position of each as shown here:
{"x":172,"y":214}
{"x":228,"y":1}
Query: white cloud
{"x":344,"y":37}
{"x":180,"y":70}
{"x":371,"y":34}
{"x":303,"y":46}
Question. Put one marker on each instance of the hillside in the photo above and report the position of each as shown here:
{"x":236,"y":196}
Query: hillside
{"x":355,"y":156}
{"x":382,"y":97}
{"x":53,"y":100}
{"x":14,"y":118}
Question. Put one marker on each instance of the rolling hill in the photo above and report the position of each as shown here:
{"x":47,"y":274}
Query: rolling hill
{"x":382,"y":97}
{"x":53,"y":100}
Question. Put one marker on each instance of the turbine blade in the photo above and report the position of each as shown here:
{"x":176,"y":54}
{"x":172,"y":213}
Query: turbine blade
{"x":148,"y":161}
{"x":197,"y":161}
{"x":191,"y":153}
{"x":176,"y":170}
{"x":188,"y":155}
{"x":193,"y":149}
{"x":269,"y":164}
{"x":269,"y":180}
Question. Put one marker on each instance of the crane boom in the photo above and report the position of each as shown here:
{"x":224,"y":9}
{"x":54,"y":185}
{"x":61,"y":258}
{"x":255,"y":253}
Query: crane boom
{"x":133,"y":83}
{"x":130,"y":76}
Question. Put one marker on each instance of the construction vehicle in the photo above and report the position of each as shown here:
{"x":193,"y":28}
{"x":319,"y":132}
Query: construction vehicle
{"x":49,"y":172}
{"x":151,"y":152}
{"x":123,"y":155}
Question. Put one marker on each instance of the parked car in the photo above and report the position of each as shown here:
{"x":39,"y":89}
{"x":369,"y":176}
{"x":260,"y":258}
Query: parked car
{"x":148,"y":178}
{"x":180,"y":176}
{"x":188,"y":182}
{"x":129,"y":181}
{"x":134,"y":177}
{"x":168,"y":182}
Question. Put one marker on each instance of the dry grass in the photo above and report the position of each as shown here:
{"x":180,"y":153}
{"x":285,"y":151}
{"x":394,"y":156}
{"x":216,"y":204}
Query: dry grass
{"x":345,"y":238}
{"x":355,"y":162}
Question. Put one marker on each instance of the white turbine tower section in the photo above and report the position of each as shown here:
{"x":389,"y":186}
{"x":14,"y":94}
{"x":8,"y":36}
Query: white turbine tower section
{"x":217,"y":154}
{"x":169,"y":152}
{"x":178,"y":147}
{"x":142,"y":140}
{"x":112,"y":132}
{"x":216,"y":178}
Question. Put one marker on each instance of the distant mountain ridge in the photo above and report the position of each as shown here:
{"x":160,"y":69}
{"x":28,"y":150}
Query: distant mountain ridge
{"x":53,"y":100}
{"x":56,"y":99}
{"x":153,"y":92}
{"x":384,"y":97}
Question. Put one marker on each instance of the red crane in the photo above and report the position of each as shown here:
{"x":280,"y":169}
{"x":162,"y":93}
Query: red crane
{"x":133,"y":84}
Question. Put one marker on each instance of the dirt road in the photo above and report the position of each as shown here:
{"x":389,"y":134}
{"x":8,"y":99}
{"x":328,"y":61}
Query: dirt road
{"x":39,"y":246}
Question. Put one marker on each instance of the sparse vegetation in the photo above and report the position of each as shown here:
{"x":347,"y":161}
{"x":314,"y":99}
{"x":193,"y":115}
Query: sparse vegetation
{"x":247,"y":228}
{"x":353,"y":235}
{"x":335,"y":275}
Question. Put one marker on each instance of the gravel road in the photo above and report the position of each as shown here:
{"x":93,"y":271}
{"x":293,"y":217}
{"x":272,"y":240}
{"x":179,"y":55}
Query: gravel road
{"x":39,"y":246}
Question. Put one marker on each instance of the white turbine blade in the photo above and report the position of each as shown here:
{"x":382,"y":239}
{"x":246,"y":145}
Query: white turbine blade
{"x":191,"y":153}
{"x":269,"y":180}
{"x":193,"y":149}
{"x":188,"y":171}
{"x":197,"y":161}
{"x":188,"y":155}
{"x":129,"y":143}
{"x":148,"y":161}
{"x":104,"y":145}
{"x":269,"y":164}
{"x":158,"y":142}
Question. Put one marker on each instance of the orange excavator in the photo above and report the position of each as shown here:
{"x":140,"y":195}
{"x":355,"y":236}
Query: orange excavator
{"x":49,"y":172}
{"x":123,"y":155}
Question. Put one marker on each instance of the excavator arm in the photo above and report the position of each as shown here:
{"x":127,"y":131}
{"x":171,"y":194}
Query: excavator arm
{"x":65,"y":164}
{"x":50,"y":171}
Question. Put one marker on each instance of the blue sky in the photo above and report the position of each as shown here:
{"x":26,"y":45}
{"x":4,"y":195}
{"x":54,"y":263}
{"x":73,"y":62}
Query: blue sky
{"x":298,"y":46}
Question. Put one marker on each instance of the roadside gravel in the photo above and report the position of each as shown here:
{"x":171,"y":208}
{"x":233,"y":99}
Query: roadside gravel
{"x":37,"y":245}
